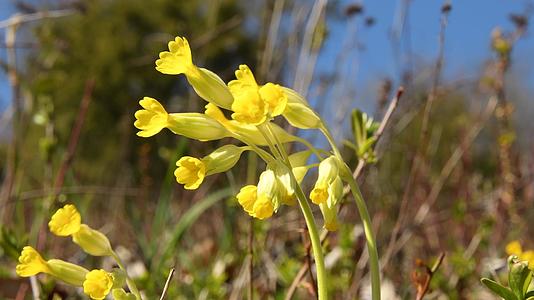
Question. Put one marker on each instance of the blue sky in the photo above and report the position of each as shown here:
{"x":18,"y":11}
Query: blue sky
{"x":470,"y":24}
{"x":467,"y":38}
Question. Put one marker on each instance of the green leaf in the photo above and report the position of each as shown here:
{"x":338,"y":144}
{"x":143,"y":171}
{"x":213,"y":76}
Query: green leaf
{"x":499,"y":289}
{"x":519,"y":278}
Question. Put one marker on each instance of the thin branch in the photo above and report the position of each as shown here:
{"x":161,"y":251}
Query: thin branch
{"x":167,"y":283}
{"x":423,"y":284}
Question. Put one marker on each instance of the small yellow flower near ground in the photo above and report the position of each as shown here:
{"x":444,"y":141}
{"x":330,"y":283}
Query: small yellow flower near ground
{"x":97,"y":284}
{"x":207,"y":85}
{"x":190,"y":172}
{"x":31,"y":263}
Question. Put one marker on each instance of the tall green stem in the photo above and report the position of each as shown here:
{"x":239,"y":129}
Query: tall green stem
{"x":322,"y":288}
{"x":366,"y":220}
{"x":315,"y":242}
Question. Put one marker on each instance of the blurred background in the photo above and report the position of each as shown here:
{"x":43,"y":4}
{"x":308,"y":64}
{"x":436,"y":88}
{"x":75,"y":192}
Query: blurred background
{"x":455,"y":167}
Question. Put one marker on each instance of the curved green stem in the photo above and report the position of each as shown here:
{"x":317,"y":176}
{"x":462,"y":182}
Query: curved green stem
{"x":364,"y":215}
{"x":322,"y":288}
{"x":129,"y":281}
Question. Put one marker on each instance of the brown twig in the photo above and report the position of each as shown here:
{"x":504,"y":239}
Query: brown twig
{"x":74,"y":136}
{"x":422,"y":282}
{"x":356,"y":174}
{"x":167,"y":283}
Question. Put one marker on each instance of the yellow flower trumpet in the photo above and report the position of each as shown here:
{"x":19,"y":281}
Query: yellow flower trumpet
{"x":31,"y":263}
{"x":66,"y":221}
{"x":191,"y":171}
{"x":97,"y":284}
{"x":153,"y":118}
{"x":207,"y":85}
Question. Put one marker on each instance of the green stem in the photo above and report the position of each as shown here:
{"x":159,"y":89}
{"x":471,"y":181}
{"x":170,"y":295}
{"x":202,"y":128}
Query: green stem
{"x":310,"y":223}
{"x":364,"y":215}
{"x":129,"y":281}
{"x":315,"y":242}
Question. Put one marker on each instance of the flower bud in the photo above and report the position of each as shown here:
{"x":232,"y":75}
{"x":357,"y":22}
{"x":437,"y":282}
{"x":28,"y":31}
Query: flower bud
{"x":223,"y":159}
{"x":196,"y":126}
{"x":301,"y":116}
{"x":328,"y":172}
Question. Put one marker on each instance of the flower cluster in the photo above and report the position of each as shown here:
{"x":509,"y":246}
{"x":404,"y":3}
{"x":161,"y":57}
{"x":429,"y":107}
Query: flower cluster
{"x":98,"y":283}
{"x":514,"y":248}
{"x":252,"y":107}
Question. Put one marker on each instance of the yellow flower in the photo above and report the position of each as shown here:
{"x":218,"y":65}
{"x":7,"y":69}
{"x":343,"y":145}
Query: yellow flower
{"x":97,"y":284}
{"x":514,"y":248}
{"x":190,"y":172}
{"x":247,"y":197}
{"x":65,"y":221}
{"x":249,"y":108}
{"x":153,"y":118}
{"x":259,"y":202}
{"x":329,"y":208}
{"x":247,"y":132}
{"x":207,"y":85}
{"x":252,"y":103}
{"x":329,"y":216}
{"x":31,"y":263}
{"x":328,"y":172}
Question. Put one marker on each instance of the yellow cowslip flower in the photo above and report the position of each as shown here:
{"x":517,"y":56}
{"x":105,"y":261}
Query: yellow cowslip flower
{"x":247,"y":132}
{"x":257,"y":207}
{"x":97,"y":284}
{"x":209,"y":86}
{"x":31,"y":263}
{"x":328,"y":172}
{"x":153,"y":118}
{"x":514,"y":248}
{"x":253,"y":103}
{"x":66,"y":221}
{"x":329,"y":207}
{"x":190,"y":172}
{"x":263,"y":200}
{"x":286,"y":183}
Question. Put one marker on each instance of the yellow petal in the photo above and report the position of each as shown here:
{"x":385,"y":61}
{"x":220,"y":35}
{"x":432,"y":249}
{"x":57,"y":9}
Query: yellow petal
{"x":65,"y":221}
{"x":177,"y":60}
{"x":31,"y":263}
{"x":190,"y":172}
{"x":263,"y":208}
{"x":152,"y":119}
{"x":245,"y":81}
{"x":275,"y":98}
{"x":97,"y":284}
{"x":514,"y":248}
{"x":247,"y":197}
{"x":249,"y":108}
{"x":319,"y":195}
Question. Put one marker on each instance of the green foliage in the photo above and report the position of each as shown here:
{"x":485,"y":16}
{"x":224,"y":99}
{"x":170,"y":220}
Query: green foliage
{"x":519,"y":279}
